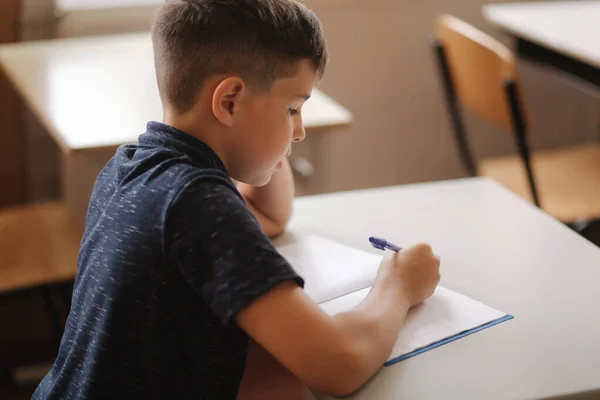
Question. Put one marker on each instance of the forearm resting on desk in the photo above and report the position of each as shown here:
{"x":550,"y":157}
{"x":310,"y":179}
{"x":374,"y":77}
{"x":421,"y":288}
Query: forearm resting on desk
{"x":271,"y":204}
{"x":266,"y":379}
{"x":373,"y":327}
{"x":334,"y":355}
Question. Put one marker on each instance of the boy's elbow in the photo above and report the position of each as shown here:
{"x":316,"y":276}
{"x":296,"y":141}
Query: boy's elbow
{"x":275,"y":225}
{"x":283,"y":219}
{"x":282,"y":224}
{"x":338,"y":389}
{"x":273,"y":228}
{"x":348,"y":374}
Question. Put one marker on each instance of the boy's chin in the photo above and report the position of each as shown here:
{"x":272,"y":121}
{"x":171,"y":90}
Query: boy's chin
{"x":262,"y":179}
{"x":266,"y":179}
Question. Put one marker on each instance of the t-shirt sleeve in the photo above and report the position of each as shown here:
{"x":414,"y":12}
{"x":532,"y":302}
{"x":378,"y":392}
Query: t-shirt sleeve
{"x":220,"y":249}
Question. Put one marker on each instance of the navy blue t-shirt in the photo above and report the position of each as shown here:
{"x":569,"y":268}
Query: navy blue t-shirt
{"x":169,"y":255}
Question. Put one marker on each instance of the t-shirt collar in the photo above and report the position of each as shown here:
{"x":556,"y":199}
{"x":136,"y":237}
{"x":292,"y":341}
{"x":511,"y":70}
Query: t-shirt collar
{"x":159,"y":134}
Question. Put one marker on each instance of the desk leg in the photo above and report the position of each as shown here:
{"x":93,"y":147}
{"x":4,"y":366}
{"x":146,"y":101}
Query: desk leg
{"x":13,"y":167}
{"x":13,"y":171}
{"x":79,"y":170}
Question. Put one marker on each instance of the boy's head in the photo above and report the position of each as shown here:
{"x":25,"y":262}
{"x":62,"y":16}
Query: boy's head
{"x":237,"y":72}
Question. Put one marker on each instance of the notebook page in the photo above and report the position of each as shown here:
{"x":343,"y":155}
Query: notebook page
{"x":330,"y":269}
{"x":443,"y":315}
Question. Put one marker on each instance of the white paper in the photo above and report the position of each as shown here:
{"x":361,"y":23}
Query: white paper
{"x":330,"y":269}
{"x":443,"y":315}
{"x":339,"y":277}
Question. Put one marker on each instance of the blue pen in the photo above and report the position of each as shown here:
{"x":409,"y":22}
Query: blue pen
{"x":383,"y":244}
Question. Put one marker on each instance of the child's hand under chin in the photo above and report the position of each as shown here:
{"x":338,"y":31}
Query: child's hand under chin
{"x":271,"y":204}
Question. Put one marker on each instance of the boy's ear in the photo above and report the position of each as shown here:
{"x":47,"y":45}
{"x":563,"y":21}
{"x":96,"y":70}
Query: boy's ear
{"x":226,"y":99}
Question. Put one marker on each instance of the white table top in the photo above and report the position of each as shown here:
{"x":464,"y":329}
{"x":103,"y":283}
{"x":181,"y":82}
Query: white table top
{"x":497,"y":249}
{"x":568,"y":27}
{"x":99,"y":92}
{"x":65,"y":6}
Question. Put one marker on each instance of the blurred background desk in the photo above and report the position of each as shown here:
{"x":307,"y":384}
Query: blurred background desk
{"x":561,"y":35}
{"x":93,"y":94}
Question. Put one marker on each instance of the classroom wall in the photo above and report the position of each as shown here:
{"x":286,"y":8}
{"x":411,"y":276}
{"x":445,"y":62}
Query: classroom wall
{"x":382,"y":69}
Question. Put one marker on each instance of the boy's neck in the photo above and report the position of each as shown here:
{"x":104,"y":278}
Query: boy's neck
{"x":196,"y":125}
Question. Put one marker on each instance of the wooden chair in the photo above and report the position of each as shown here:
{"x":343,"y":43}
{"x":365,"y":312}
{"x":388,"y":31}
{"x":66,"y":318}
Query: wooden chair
{"x":39,"y":247}
{"x":38,"y":257}
{"x":39,"y":253}
{"x":479,"y":74}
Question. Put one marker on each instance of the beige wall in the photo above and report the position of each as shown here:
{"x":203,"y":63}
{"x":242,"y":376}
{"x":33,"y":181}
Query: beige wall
{"x":382,"y":69}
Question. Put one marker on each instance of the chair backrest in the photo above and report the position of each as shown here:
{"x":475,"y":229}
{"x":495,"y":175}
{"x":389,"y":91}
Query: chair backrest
{"x":480,"y":73}
{"x":480,"y":67}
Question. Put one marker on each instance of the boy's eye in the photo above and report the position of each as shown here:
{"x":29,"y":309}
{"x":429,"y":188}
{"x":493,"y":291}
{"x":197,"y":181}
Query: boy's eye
{"x":293,"y":111}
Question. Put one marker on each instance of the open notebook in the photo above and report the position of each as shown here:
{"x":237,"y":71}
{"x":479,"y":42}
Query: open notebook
{"x":338,"y":278}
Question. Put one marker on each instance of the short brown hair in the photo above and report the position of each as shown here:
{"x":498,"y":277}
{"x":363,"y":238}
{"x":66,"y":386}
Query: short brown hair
{"x":261,"y":40}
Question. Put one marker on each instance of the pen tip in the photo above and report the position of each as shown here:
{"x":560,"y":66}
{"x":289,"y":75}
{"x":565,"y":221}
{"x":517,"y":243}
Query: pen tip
{"x":377,"y":242}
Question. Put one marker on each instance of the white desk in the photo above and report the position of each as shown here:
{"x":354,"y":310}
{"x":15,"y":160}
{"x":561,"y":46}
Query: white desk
{"x":93,"y":94}
{"x":500,"y":250}
{"x":98,"y":92}
{"x":66,"y":6}
{"x":563,"y":35}
{"x":99,"y":17}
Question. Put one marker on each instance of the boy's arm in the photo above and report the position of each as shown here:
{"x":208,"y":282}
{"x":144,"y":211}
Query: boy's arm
{"x":266,"y":379}
{"x":271,"y":204}
{"x":225,"y":257}
{"x":336,"y":355}
{"x":331,"y":355}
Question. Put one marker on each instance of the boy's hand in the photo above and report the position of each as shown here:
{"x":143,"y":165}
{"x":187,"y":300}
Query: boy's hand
{"x":415,"y":270}
{"x":272,"y":203}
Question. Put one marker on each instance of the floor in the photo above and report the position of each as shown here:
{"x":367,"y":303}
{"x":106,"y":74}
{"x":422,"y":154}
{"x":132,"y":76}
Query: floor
{"x":17,"y":394}
{"x":26,"y":379}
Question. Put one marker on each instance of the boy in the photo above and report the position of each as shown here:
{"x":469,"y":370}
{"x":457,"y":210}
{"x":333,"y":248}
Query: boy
{"x":176,"y":270}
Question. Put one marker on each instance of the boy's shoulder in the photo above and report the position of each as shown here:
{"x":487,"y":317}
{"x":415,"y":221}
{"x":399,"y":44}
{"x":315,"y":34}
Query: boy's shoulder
{"x":163,"y":160}
{"x":143,"y":181}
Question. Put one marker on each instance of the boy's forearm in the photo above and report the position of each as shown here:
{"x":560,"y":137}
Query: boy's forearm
{"x":371,"y":329}
{"x":333,"y":355}
{"x":272,"y":203}
{"x":266,"y":378}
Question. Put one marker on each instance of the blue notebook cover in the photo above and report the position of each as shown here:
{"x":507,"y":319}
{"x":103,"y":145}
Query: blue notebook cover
{"x":448,"y":340}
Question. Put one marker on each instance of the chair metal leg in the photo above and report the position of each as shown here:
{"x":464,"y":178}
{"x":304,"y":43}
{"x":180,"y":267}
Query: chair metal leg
{"x":520,"y":137}
{"x":466,"y":155}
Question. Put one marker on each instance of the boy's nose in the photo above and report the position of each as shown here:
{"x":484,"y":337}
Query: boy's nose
{"x":299,"y":132}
